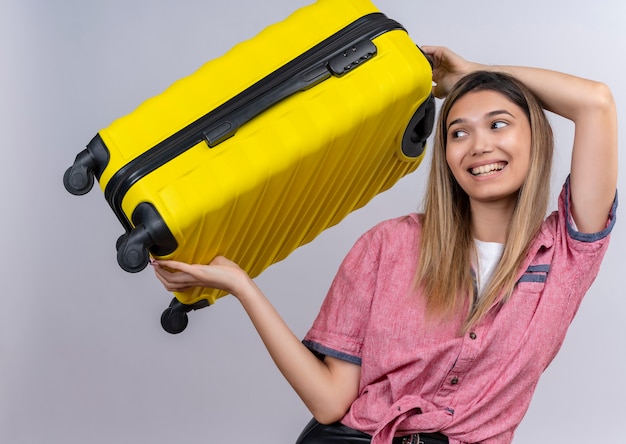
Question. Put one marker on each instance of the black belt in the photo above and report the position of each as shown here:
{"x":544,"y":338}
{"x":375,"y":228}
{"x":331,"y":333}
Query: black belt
{"x":422,"y":438}
{"x":337,"y":433}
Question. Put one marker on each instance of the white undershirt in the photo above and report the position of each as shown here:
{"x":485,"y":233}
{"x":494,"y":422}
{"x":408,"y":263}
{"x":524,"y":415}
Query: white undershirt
{"x":489,"y":254}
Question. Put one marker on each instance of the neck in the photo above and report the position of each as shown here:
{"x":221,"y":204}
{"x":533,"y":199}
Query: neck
{"x":490,"y":220}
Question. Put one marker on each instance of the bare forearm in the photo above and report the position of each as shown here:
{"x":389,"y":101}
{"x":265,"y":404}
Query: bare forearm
{"x":327,"y":387}
{"x":590,"y":105}
{"x":323,"y":392}
{"x":563,"y":94}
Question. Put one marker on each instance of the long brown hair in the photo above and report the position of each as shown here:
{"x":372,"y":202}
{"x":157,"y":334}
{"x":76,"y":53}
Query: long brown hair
{"x":447,"y":246}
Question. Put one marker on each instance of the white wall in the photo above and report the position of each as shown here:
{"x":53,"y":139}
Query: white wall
{"x":83,"y":358}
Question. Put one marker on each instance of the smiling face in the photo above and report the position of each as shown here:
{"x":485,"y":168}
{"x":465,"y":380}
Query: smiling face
{"x":488,"y":140}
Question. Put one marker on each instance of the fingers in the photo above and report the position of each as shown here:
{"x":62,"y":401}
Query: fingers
{"x":172,"y":275}
{"x":221,"y":274}
{"x":432,"y":51}
{"x":439,"y":56}
{"x":444,"y":67}
{"x":171,"y":265}
{"x":171,"y":286}
{"x":439,"y":91}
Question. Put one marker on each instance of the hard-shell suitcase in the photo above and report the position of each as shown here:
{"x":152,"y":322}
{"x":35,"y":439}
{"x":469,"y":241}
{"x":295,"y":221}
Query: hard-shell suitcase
{"x":263,"y":148}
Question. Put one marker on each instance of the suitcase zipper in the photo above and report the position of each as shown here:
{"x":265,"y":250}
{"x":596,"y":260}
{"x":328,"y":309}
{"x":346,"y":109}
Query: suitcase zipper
{"x":315,"y":65}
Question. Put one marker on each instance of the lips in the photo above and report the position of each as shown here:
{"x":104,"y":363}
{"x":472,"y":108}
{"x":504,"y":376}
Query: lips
{"x":485,"y":170}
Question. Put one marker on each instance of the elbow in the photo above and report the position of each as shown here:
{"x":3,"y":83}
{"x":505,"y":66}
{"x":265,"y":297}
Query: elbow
{"x":330,"y":402}
{"x":601,"y":98}
{"x":595,"y":101}
{"x":328,"y":417}
{"x":330,"y":414}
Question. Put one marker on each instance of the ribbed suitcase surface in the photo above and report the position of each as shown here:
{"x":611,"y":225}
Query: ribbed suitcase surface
{"x":257,"y":189}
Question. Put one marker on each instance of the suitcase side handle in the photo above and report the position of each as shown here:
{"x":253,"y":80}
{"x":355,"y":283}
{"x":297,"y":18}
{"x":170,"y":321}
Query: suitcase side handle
{"x":340,"y":63}
{"x":228,"y":126}
{"x":419,"y":129}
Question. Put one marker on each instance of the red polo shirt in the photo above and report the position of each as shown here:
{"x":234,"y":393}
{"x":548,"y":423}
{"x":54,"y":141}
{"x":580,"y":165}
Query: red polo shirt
{"x":425,"y":377}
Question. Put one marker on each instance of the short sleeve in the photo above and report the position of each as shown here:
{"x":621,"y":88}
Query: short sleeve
{"x":569,"y":260}
{"x":339,"y":328}
{"x":572,"y":230}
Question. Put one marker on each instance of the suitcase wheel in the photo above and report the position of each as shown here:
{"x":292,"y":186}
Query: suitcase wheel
{"x":174,"y":319}
{"x":121,"y":241}
{"x":78,"y":180}
{"x":89,"y":163}
{"x":132,"y":250}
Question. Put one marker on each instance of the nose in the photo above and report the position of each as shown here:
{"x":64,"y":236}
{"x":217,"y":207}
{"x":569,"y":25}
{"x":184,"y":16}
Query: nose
{"x":483,"y":143}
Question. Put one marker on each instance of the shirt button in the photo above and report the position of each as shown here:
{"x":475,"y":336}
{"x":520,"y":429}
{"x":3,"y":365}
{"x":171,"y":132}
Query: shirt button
{"x":454,"y":381}
{"x":472,"y":335}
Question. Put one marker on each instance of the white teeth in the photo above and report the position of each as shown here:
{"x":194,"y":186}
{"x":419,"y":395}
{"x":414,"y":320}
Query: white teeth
{"x":487,"y":169}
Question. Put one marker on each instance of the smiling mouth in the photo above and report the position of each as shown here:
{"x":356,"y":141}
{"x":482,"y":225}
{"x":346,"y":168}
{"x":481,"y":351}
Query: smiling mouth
{"x":485,"y":170}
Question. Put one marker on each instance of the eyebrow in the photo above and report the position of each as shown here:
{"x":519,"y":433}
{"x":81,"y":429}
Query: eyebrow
{"x":488,"y":115}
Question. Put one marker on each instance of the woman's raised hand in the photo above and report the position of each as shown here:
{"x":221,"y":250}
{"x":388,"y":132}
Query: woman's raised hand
{"x":448,"y":68}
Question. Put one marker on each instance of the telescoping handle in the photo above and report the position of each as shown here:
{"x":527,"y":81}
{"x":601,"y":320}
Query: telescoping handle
{"x":339,"y":64}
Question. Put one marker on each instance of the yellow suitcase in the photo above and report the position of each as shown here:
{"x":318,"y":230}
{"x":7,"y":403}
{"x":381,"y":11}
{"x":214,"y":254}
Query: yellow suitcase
{"x":263,"y":148}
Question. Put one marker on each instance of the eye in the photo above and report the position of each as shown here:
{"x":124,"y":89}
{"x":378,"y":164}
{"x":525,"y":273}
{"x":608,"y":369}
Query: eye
{"x":499,"y":124}
{"x":455,"y":134}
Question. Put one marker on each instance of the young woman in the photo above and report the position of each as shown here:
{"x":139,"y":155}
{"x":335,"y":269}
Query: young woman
{"x":438,"y":326}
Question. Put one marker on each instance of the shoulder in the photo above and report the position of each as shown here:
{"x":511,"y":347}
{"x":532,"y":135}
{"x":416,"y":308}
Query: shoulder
{"x":397,"y":230}
{"x":391,"y":239}
{"x":398,"y":226}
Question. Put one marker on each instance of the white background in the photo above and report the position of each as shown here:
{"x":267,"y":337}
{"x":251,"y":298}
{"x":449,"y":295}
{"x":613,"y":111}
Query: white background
{"x":83,"y":358}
